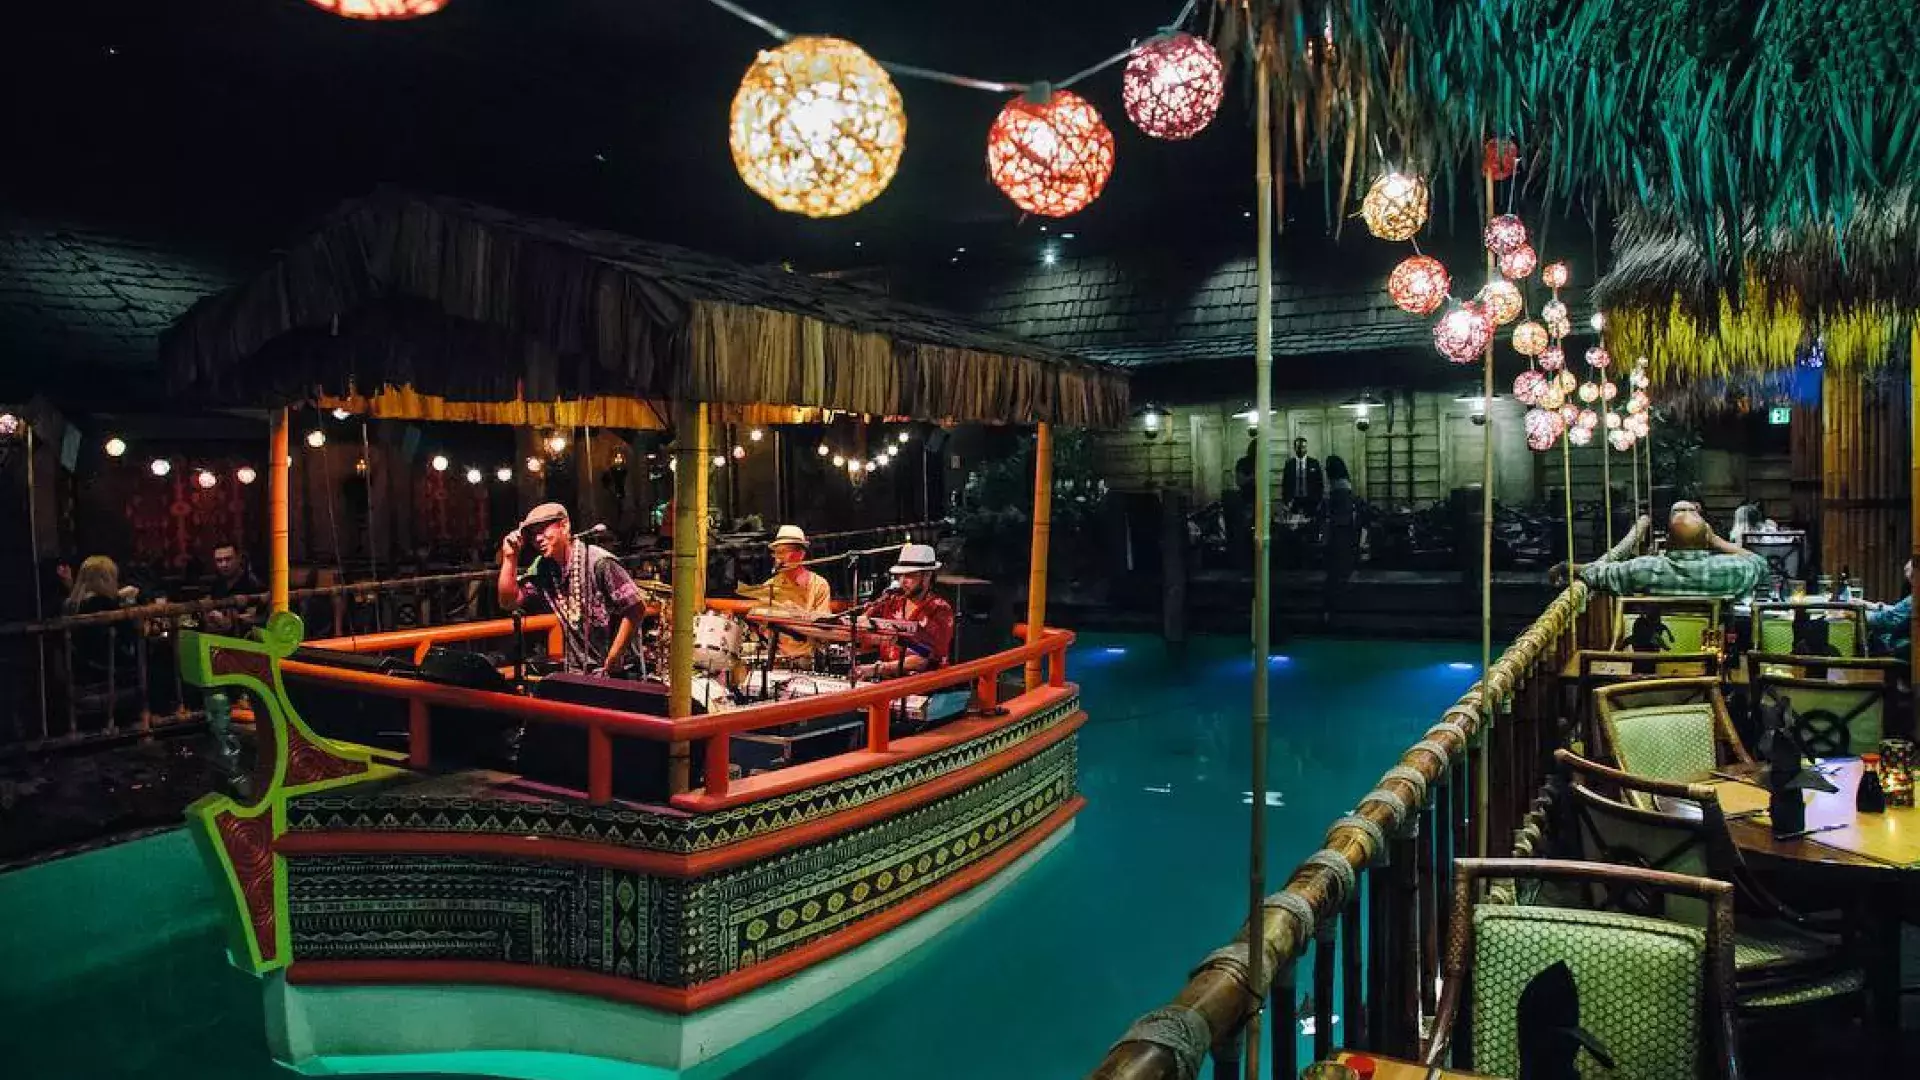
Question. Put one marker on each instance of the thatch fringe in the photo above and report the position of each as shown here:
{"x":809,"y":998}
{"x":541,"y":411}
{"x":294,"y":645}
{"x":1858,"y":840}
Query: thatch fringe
{"x":429,"y":299}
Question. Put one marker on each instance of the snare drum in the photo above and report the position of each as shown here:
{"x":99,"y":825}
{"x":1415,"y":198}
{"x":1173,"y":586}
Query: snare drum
{"x":716,"y":641}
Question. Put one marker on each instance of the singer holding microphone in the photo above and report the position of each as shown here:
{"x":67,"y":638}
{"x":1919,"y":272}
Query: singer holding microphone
{"x":598,"y":605}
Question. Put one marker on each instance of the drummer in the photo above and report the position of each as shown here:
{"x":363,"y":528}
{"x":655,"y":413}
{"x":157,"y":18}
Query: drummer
{"x":913,"y":600}
{"x":598,"y":605}
{"x":794,"y":588}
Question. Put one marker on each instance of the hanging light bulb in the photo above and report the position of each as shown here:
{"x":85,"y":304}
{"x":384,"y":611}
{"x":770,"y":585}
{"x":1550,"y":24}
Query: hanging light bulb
{"x":719,"y":461}
{"x":870,"y":466}
{"x":474,"y":476}
{"x":160,"y":466}
{"x":205,"y":479}
{"x":503,"y":474}
{"x":1589,"y":393}
{"x":1172,"y":86}
{"x":903,"y":437}
{"x":1556,"y":275}
{"x":1051,"y":156}
{"x":822,"y":450}
{"x":853,"y":465}
{"x":116,"y":446}
{"x":316,"y":438}
{"x":533,"y":465}
{"x":817,"y":127}
{"x":341,"y":414}
{"x":739,"y":452}
{"x":245,"y":474}
{"x":1580,"y":435}
{"x":839,"y":461}
{"x":440,"y":463}
{"x":556,"y":444}
{"x":756,"y":435}
{"x":1395,"y":207}
{"x":1587,"y":419}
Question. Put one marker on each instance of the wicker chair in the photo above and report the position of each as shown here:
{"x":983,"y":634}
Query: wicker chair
{"x":1782,"y":958}
{"x":1845,"y":713}
{"x":1594,"y":668}
{"x":1668,"y":729}
{"x":1657,"y":993}
{"x":1844,"y":625}
{"x":1688,"y":622}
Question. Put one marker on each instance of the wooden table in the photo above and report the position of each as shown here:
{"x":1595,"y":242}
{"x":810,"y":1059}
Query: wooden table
{"x":1874,"y":858}
{"x":1386,"y":1068}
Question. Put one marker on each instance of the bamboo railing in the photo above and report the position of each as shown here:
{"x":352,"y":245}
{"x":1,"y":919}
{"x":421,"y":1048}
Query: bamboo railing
{"x":1371,"y":903}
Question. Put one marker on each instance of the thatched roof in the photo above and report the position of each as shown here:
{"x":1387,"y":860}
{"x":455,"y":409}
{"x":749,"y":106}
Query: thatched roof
{"x":1845,"y":295}
{"x":444,"y":307}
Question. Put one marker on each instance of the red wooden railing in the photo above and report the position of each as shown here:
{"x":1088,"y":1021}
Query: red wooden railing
{"x":603,"y":725}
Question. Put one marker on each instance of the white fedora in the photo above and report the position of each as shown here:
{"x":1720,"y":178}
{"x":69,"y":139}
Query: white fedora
{"x":789,"y":534}
{"x":916,"y":559}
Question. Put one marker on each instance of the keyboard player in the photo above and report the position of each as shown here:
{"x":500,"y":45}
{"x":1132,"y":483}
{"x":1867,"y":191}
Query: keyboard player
{"x":913,"y":600}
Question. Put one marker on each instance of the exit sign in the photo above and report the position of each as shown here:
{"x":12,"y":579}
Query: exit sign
{"x":1780,"y":415}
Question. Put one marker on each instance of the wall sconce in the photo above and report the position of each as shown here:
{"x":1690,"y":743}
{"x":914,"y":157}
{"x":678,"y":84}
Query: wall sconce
{"x":1477,"y":406}
{"x":1153,"y":419}
{"x":1361,"y":405}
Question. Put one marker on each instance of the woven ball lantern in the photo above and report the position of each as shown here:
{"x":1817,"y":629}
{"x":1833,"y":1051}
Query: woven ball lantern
{"x":1638,"y":401}
{"x":1502,"y":300}
{"x":1463,"y":333}
{"x":1565,"y":380}
{"x":1553,"y":311}
{"x":1172,"y":86}
{"x":1589,"y":392}
{"x":1598,"y":359}
{"x":1608,"y":391}
{"x":1419,"y":285}
{"x":1621,"y":438}
{"x":1543,"y":428}
{"x":1556,"y":275}
{"x":1613,"y":420}
{"x":380,"y":10}
{"x":1552,"y":397}
{"x":817,"y":127}
{"x":1395,"y":207}
{"x":1519,"y":262}
{"x":1504,"y":234}
{"x":1530,"y":339}
{"x":1559,"y":327}
{"x":1499,"y":156}
{"x":1587,"y":419}
{"x":1569,"y":412}
{"x":1580,"y":436}
{"x":1528,"y":386}
{"x":1638,"y":424}
{"x":1638,"y":380}
{"x":1052,"y":157}
{"x":1552,"y":358}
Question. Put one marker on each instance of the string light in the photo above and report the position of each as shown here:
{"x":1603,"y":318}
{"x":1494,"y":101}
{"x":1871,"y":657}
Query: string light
{"x":1504,"y":234}
{"x":1597,"y":358}
{"x":533,"y":465}
{"x":556,"y":444}
{"x":1052,"y":157}
{"x":380,"y":10}
{"x":1530,"y":338}
{"x":1502,"y":300}
{"x":316,"y":438}
{"x":503,"y":474}
{"x":440,"y":463}
{"x":1580,"y":435}
{"x":9,"y":425}
{"x":245,"y":474}
{"x":719,"y":461}
{"x":822,"y":450}
{"x":1463,"y":333}
{"x":739,"y":452}
{"x":474,"y":476}
{"x":341,"y":414}
{"x":1553,"y":358}
{"x":1556,"y":275}
{"x":1528,"y":386}
{"x":360,"y":466}
{"x":160,"y":466}
{"x":1543,"y":428}
{"x":839,"y":461}
{"x":116,"y":446}
{"x":1419,"y":285}
{"x":1172,"y":86}
{"x":1519,"y":262}
{"x":1395,"y":206}
{"x":756,"y":435}
{"x":205,"y":479}
{"x":1499,"y":157}
{"x":903,"y":437}
{"x":817,"y":127}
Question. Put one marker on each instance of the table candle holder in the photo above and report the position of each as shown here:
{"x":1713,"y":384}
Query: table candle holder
{"x":1896,"y":771}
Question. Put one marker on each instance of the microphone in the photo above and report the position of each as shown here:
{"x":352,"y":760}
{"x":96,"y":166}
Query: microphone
{"x":595,"y":532}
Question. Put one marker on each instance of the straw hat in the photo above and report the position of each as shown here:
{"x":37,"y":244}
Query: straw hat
{"x":916,"y":559}
{"x":789,"y":534}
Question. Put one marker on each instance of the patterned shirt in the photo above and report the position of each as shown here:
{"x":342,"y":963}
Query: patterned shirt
{"x":805,"y":591}
{"x":1679,"y":573}
{"x":935,"y":616}
{"x":590,"y":594}
{"x":1892,"y":627}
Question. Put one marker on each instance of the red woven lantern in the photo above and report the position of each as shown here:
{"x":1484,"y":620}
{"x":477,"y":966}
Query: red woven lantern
{"x":1569,"y":412}
{"x":1543,"y":427}
{"x":1530,"y":339}
{"x":1172,"y":86}
{"x":1552,"y":358}
{"x":1597,"y":358}
{"x":1502,"y":300}
{"x":1051,"y":159}
{"x":1519,"y":262}
{"x":1419,"y":285}
{"x":1555,"y":275}
{"x":378,"y":10}
{"x":1609,"y":391}
{"x":1499,"y":156}
{"x":1464,"y":333}
{"x":1504,"y":234}
{"x":1528,"y":386}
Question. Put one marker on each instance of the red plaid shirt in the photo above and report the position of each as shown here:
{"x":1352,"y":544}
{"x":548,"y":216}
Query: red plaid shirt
{"x":935,"y":616}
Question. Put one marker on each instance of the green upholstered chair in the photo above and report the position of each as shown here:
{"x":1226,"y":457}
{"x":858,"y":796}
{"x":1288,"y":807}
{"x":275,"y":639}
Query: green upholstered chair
{"x":1782,"y":958}
{"x":1668,"y":729}
{"x":1655,"y":992}
{"x":1833,"y":719}
{"x":1688,"y":621}
{"x":1846,"y":625}
{"x":1594,"y":668}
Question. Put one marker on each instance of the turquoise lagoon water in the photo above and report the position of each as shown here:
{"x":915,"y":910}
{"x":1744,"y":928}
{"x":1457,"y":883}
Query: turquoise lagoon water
{"x":111,"y":963}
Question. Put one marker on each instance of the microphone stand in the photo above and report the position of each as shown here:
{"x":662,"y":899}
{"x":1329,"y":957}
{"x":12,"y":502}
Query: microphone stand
{"x":519,"y":651}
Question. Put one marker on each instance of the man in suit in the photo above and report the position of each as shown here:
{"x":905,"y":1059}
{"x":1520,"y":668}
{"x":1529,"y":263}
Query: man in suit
{"x":1303,"y":487}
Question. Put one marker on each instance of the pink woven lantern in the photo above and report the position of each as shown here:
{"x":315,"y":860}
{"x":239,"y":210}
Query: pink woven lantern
{"x":1502,"y":300}
{"x":1638,"y":424}
{"x":380,"y":10}
{"x":1552,"y":397}
{"x":1569,"y":412}
{"x":1504,"y":234}
{"x":1052,"y":158}
{"x":1553,"y":311}
{"x":1638,"y":380}
{"x":1613,"y":420}
{"x":1589,"y":393}
{"x":1587,"y":419}
{"x":1499,"y":156}
{"x":1638,"y":401}
{"x":1597,"y":358}
{"x":1543,"y":427}
{"x":1552,"y":358}
{"x":1519,"y":262}
{"x":1621,"y":438}
{"x":1172,"y":86}
{"x":1464,"y":333}
{"x":1580,"y":436}
{"x":1528,"y":386}
{"x":1530,"y":339}
{"x":1608,"y":391}
{"x":1565,"y":380}
{"x":1419,"y":285}
{"x":1556,"y":275}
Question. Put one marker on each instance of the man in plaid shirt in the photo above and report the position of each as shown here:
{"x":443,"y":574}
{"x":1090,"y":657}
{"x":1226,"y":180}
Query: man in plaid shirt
{"x":1696,"y":563}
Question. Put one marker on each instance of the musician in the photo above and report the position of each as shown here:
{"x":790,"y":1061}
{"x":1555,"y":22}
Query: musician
{"x":795,"y":589}
{"x":598,"y":605}
{"x":912,"y":599}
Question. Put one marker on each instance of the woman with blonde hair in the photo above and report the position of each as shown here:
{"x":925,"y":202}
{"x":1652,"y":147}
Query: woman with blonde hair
{"x":96,"y":588}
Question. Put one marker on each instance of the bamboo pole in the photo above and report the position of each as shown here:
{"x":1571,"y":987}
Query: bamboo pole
{"x":1913,"y":488}
{"x":703,"y":494}
{"x":689,"y":543}
{"x":1566,"y":492}
{"x":1042,"y":538}
{"x":277,"y":488}
{"x":1483,"y":759}
{"x":1606,"y":484}
{"x":1257,"y":973}
{"x":39,"y":597}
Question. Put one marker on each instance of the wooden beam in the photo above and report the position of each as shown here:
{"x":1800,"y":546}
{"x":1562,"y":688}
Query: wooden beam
{"x":1042,"y":539}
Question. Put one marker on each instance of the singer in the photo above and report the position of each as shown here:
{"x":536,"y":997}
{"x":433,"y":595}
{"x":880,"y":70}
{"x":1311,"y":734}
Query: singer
{"x":912,"y":599}
{"x":597,"y":602}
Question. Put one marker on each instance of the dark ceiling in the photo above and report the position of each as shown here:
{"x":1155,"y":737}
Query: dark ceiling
{"x":235,"y":121}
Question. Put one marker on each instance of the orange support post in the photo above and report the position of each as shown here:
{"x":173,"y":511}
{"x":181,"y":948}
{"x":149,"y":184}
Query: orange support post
{"x":599,"y":766}
{"x":419,"y":734}
{"x":877,"y":734}
{"x":719,"y":763}
{"x":1057,"y":667}
{"x":987,"y":689}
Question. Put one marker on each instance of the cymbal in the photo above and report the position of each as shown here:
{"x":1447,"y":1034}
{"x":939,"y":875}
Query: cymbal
{"x":657,"y":588}
{"x":960,"y":579}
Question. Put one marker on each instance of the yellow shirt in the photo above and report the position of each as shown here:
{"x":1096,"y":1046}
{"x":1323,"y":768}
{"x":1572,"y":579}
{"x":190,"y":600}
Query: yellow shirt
{"x":803,"y":591}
